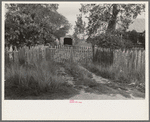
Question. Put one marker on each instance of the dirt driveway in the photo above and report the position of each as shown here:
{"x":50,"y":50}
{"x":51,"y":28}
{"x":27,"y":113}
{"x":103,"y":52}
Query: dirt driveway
{"x":107,"y":90}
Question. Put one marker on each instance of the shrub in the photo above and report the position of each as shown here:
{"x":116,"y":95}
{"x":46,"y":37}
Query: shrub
{"x":112,"y":40}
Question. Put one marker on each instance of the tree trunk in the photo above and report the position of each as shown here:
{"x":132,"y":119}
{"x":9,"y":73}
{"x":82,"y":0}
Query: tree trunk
{"x":112,"y":22}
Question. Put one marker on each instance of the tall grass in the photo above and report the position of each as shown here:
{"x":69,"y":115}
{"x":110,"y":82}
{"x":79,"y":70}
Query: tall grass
{"x":25,"y":80}
{"x":30,"y":74}
{"x":81,"y":76}
{"x":122,"y":67}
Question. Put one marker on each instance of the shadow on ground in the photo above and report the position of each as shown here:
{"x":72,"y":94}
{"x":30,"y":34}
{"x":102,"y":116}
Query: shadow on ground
{"x":113,"y":89}
{"x":61,"y":93}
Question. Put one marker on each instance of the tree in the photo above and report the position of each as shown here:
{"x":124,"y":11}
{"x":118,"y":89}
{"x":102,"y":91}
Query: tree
{"x":62,"y":30}
{"x":79,"y":28}
{"x":30,"y":24}
{"x":80,"y":24}
{"x":105,"y":17}
{"x":111,"y":14}
{"x":133,"y":36}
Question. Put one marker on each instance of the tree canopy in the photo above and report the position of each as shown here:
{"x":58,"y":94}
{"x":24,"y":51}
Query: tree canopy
{"x":79,"y":28}
{"x":110,"y":14}
{"x":29,"y":24}
{"x":103,"y":18}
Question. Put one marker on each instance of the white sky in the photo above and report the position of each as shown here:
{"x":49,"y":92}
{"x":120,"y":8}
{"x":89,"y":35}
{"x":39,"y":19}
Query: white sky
{"x":70,"y":10}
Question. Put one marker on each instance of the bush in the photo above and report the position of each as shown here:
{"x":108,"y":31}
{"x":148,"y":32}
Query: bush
{"x":133,"y":36}
{"x":112,"y":40}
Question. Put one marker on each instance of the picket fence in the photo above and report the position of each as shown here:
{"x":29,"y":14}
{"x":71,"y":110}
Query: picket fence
{"x":134,"y":58}
{"x":130,"y":59}
{"x":57,"y":53}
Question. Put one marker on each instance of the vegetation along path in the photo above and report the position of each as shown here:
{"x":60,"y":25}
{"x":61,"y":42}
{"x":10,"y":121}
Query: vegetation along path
{"x":106,"y":89}
{"x":100,"y":89}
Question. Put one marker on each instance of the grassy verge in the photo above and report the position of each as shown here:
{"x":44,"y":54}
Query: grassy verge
{"x":81,"y":76}
{"x":42,"y":78}
{"x":124,"y":76}
{"x":33,"y":80}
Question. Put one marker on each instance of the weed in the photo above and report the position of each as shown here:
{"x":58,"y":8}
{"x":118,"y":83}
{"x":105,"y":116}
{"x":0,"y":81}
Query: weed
{"x":23,"y":80}
{"x":118,"y":74}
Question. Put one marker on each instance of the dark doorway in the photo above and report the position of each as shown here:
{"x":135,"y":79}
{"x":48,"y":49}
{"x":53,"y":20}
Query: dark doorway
{"x":67,"y":41}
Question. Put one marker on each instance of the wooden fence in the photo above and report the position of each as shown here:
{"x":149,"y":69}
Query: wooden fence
{"x":131,"y":59}
{"x":57,"y":53}
{"x":126,"y":58}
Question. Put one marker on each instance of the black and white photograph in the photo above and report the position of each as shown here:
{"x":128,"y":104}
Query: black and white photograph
{"x":75,"y":51}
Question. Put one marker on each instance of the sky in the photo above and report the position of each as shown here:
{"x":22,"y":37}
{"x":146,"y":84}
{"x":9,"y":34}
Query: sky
{"x":70,"y":10}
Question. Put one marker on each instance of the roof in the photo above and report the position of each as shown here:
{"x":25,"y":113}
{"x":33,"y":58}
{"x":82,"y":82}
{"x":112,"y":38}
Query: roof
{"x":138,"y":25}
{"x":67,"y":36}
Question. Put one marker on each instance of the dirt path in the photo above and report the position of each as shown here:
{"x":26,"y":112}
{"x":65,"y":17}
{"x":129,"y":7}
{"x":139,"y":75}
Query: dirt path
{"x":103,"y":90}
{"x":107,"y":90}
{"x":93,"y":96}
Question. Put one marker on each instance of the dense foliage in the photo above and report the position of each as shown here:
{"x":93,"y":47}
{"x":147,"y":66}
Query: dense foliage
{"x":136,"y":37}
{"x":103,"y":18}
{"x":30,"y":24}
{"x":113,"y":40}
{"x":111,"y":13}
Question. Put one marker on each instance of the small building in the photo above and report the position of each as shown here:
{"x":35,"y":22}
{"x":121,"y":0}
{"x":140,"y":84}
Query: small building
{"x":67,"y":40}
